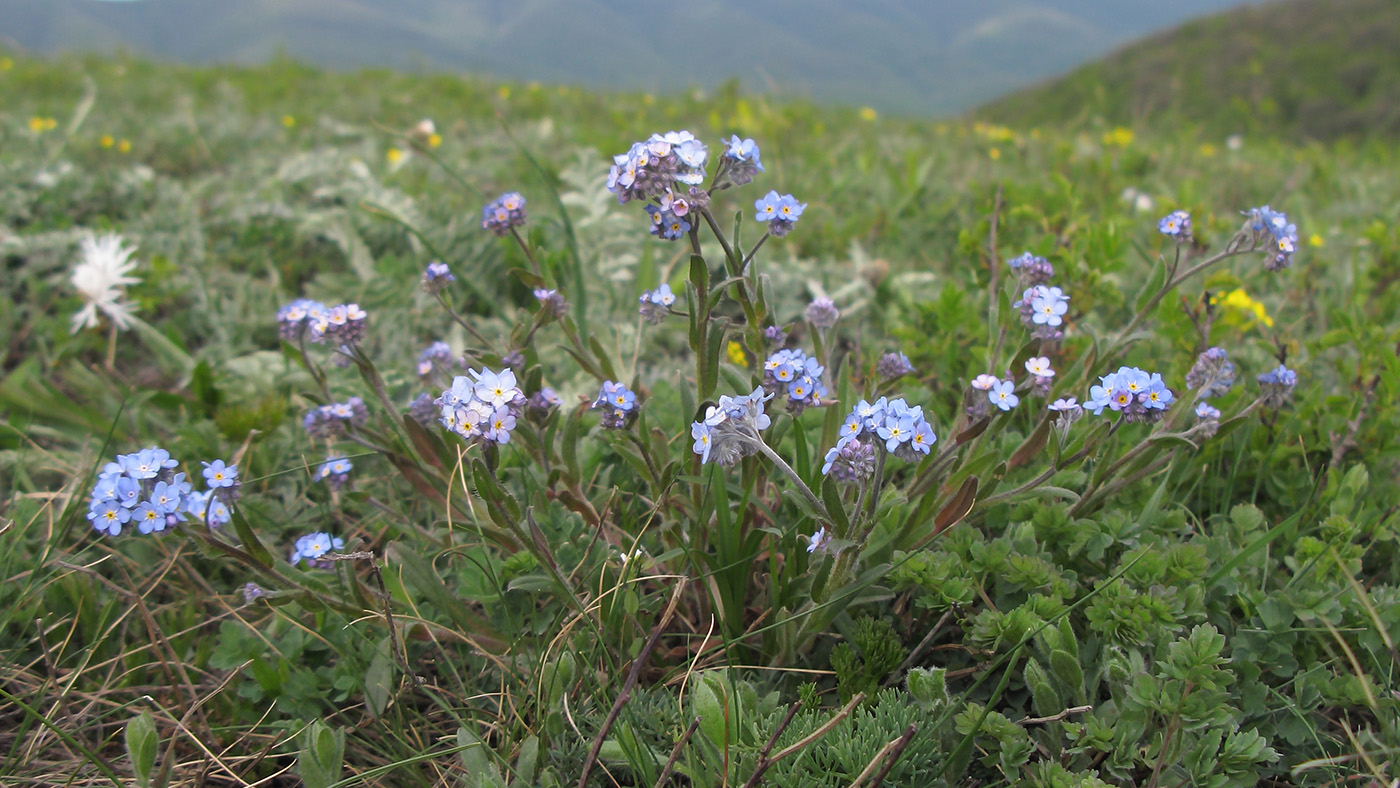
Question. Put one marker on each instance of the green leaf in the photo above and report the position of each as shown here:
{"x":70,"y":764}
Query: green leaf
{"x":322,"y":754}
{"x":831,"y":496}
{"x":1155,"y":281}
{"x":141,"y":741}
{"x":248,"y":539}
{"x":379,"y":678}
{"x":420,"y":576}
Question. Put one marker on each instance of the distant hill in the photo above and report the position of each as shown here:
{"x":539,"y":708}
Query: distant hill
{"x":900,"y":56}
{"x":1303,"y":69}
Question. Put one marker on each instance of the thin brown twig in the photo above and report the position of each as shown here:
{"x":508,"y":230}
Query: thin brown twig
{"x":1057,"y":716}
{"x":676,"y":752}
{"x":887,"y":756}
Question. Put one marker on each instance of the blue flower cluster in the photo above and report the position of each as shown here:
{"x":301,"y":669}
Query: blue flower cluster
{"x":1137,"y":395}
{"x":1177,"y":225}
{"x":668,"y":220}
{"x":141,"y":487}
{"x":656,"y":304}
{"x":484,"y":406}
{"x":1275,"y":386}
{"x":901,"y":427}
{"x":730,"y":429}
{"x":780,"y":212}
{"x":312,"y":549}
{"x":617,"y":402}
{"x":1031,"y":270}
{"x":503,"y":213}
{"x":334,"y":472}
{"x":343,"y":324}
{"x":796,"y":374}
{"x":437,"y":356}
{"x":329,"y":421}
{"x":1043,"y":307}
{"x":1279,"y":236}
{"x":437,"y":276}
{"x":740,"y":162}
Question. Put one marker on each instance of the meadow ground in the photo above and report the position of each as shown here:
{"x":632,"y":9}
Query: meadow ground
{"x":1152,"y":595}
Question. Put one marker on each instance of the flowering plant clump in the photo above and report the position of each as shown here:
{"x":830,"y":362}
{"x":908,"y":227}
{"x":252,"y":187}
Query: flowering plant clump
{"x":1031,"y":270}
{"x":655,"y":305}
{"x":1176,"y":225}
{"x":503,"y":214}
{"x":617,"y":402}
{"x":334,"y":472}
{"x":797,"y":375}
{"x":1279,"y":236}
{"x":330,"y":421}
{"x":143,"y":488}
{"x":313,"y":548}
{"x":1137,"y":395}
{"x":482,"y":407}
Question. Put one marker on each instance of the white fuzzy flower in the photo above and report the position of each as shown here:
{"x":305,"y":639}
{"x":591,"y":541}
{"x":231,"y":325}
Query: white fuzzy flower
{"x":101,"y":278}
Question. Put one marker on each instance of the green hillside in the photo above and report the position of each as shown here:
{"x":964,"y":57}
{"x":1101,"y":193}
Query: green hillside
{"x":1307,"y":69}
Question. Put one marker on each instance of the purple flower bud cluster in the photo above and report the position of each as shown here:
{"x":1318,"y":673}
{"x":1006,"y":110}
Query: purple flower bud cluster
{"x":1031,"y":270}
{"x":437,"y":276}
{"x":482,"y":407}
{"x":780,"y":212}
{"x":730,"y":430}
{"x":1042,"y":308}
{"x":823,"y":314}
{"x":853,"y":461}
{"x":1276,"y":234}
{"x":796,"y":374}
{"x":1137,"y":395}
{"x":617,"y":402}
{"x":893,"y":365}
{"x":775,"y":335}
{"x":551,"y":302}
{"x":503,"y":213}
{"x":329,"y":421}
{"x":1176,"y":225}
{"x":666,"y":224}
{"x":1207,"y":420}
{"x":142,"y":488}
{"x":313,"y":548}
{"x":655,"y":305}
{"x":1275,"y":386}
{"x":1212,"y":375}
{"x":335,"y":471}
{"x":423,"y":409}
{"x":544,"y":399}
{"x":900,"y":427}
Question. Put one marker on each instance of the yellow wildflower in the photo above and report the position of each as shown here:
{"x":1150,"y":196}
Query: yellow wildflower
{"x":124,"y":146}
{"x":1239,"y":307}
{"x":736,"y":354}
{"x":1316,"y":240}
{"x":289,"y":121}
{"x":1120,"y":137}
{"x":6,"y":64}
{"x":1207,"y":150}
{"x":434,"y":140}
{"x":995,"y":153}
{"x":503,"y":91}
{"x":107,"y":141}
{"x":868,"y":113}
{"x":36,"y":125}
{"x":394,"y":155}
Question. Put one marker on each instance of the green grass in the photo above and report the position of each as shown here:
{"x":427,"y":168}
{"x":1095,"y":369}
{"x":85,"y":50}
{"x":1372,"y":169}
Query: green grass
{"x":1227,"y":616}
